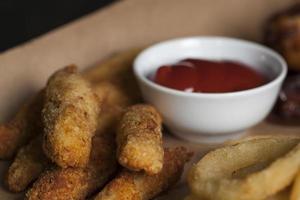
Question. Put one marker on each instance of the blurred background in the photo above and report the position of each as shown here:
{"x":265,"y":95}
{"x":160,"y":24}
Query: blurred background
{"x":24,"y":20}
{"x":272,"y":22}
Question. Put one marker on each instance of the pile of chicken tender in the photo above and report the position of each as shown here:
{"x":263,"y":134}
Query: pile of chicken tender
{"x":88,"y":136}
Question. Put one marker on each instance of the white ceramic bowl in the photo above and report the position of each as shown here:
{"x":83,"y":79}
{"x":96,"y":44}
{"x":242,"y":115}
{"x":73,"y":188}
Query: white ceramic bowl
{"x":199,"y":116}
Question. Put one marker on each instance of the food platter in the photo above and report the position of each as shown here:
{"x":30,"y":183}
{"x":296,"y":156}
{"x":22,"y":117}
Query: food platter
{"x":28,"y":83}
{"x":181,"y":190}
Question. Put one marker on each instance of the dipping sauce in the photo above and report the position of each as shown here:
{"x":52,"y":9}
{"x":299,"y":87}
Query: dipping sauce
{"x":195,"y":75}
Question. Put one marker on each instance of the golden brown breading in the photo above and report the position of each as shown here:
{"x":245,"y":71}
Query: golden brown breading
{"x":28,"y":164}
{"x":282,"y":195}
{"x":114,"y":100}
{"x":140,"y":186}
{"x":70,"y":118}
{"x":139,"y":139}
{"x":25,"y":125}
{"x":27,"y":122}
{"x":76,"y":183}
{"x":118,"y":70}
{"x":116,"y":66}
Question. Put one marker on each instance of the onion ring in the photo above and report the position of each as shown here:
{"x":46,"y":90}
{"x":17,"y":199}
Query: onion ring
{"x":295,"y":193}
{"x":214,"y":176}
{"x":282,"y":195}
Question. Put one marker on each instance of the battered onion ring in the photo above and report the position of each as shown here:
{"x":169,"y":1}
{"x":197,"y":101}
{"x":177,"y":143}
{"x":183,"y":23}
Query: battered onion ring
{"x":283,"y":195}
{"x":295,"y":193}
{"x":213,"y":178}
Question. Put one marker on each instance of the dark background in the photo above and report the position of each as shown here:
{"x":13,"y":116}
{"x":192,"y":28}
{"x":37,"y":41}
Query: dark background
{"x":22,"y":20}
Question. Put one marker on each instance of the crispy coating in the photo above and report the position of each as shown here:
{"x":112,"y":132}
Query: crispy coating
{"x":70,"y":118}
{"x":130,"y":185}
{"x":114,"y":97}
{"x":25,"y":125}
{"x":77,"y":183}
{"x":282,"y":195}
{"x":295,"y":192}
{"x":23,"y":170}
{"x":118,"y":70}
{"x":114,"y":100}
{"x":27,"y":122}
{"x":248,"y":170}
{"x":28,"y":164}
{"x":139,"y":139}
{"x":282,"y":34}
{"x":115,"y":67}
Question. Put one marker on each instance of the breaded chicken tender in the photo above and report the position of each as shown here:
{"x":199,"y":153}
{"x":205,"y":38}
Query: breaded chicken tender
{"x":118,"y":70}
{"x":70,"y":118}
{"x":25,"y":125}
{"x":27,"y":122}
{"x":130,"y":185}
{"x":28,"y":164}
{"x":139,"y":139}
{"x":117,"y":66}
{"x":77,"y":183}
{"x":114,"y":101}
{"x":23,"y":170}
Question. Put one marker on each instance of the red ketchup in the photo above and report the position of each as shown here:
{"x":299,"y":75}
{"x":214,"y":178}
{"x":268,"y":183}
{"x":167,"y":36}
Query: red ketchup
{"x":195,"y":75}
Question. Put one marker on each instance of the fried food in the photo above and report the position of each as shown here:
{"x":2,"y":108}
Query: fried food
{"x":27,"y":122}
{"x":116,"y":66}
{"x":283,"y":195}
{"x":114,"y":100}
{"x":130,"y":185}
{"x":221,"y":173}
{"x":295,"y":193}
{"x":139,"y":139}
{"x":70,"y":118}
{"x":77,"y":183}
{"x":28,"y":164}
{"x":118,"y":70}
{"x":282,"y":34}
{"x":25,"y":125}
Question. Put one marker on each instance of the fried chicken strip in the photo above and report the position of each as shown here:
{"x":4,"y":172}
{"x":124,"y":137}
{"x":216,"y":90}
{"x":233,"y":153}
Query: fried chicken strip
{"x":114,"y":101}
{"x":28,"y":164}
{"x":118,"y":70}
{"x":77,"y":183}
{"x":21,"y":174}
{"x":116,"y":66}
{"x":25,"y":125}
{"x":27,"y":122}
{"x":130,"y":185}
{"x":139,"y":139}
{"x":70,"y":116}
{"x":71,"y":183}
{"x":114,"y":98}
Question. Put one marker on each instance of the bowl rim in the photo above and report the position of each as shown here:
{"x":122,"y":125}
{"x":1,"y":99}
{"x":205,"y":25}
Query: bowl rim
{"x":279,"y":78}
